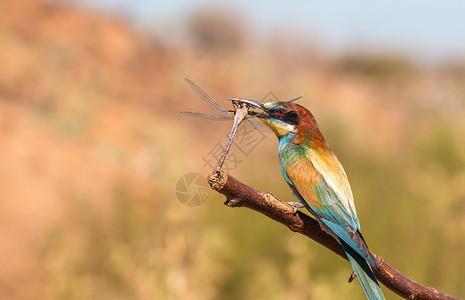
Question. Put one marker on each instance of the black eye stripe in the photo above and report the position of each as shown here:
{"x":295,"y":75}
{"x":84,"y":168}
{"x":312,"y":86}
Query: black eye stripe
{"x":290,"y":117}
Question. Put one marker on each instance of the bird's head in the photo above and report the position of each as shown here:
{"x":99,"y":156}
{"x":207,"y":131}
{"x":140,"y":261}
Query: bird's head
{"x":285,"y":118}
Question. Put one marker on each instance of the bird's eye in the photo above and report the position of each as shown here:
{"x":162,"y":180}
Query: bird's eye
{"x":280,"y":112}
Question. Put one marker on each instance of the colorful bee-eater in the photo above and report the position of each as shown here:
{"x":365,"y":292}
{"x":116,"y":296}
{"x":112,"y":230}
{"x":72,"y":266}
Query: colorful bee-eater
{"x":317,"y":178}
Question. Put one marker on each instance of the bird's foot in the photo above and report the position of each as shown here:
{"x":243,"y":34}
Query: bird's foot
{"x":296,"y":206}
{"x":352,"y":276}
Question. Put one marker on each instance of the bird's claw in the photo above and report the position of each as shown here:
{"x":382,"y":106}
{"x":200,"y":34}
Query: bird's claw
{"x":352,"y":276}
{"x":295,"y":206}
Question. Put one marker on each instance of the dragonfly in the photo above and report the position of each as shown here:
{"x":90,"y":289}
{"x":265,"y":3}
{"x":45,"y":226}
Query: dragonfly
{"x":221,"y":113}
{"x":239,"y":114}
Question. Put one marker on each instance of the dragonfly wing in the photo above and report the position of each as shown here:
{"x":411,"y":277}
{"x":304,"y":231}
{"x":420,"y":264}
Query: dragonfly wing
{"x":206,"y":116}
{"x":207,"y":99}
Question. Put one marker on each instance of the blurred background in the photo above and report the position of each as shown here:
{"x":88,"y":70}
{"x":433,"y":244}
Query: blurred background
{"x":93,"y":148}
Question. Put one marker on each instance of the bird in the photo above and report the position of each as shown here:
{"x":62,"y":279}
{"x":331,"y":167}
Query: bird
{"x":317,"y":178}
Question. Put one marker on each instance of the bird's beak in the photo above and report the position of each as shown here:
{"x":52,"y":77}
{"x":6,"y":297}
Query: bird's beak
{"x":252,"y":103}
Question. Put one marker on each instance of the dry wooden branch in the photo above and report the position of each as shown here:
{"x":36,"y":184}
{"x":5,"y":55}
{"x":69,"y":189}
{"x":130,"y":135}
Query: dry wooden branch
{"x":241,"y":195}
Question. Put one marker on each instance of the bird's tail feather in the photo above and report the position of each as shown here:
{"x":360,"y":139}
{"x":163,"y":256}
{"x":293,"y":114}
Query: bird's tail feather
{"x":364,"y":273}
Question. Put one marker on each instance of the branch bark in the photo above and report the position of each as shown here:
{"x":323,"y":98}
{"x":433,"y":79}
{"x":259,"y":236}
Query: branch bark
{"x":240,"y":195}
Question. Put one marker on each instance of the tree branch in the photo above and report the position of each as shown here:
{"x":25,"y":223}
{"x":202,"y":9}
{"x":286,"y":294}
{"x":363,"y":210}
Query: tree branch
{"x":240,"y":195}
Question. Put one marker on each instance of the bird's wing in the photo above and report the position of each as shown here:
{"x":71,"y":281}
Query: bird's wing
{"x":335,"y":182}
{"x":321,"y":183}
